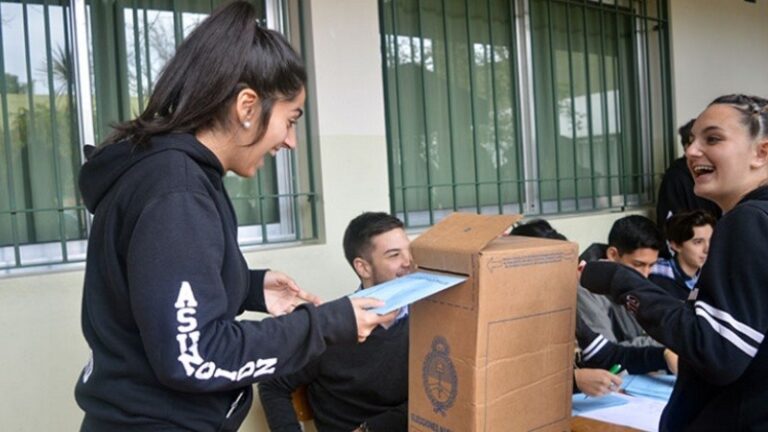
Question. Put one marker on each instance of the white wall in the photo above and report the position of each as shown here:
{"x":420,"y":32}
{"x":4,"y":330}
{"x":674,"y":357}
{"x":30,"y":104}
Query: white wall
{"x":42,"y":347}
{"x":718,"y":47}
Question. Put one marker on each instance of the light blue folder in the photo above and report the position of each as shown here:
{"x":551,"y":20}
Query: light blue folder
{"x":408,"y":289}
{"x":583,"y":403}
{"x":652,"y":386}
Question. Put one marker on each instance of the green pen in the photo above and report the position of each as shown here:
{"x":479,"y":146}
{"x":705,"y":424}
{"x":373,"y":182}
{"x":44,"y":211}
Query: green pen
{"x":615,"y":369}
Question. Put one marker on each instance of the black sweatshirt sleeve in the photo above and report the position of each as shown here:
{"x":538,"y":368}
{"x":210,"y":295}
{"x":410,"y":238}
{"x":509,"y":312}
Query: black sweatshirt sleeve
{"x":599,"y":352}
{"x":180,"y":306}
{"x":255,"y":301}
{"x":276,"y":398}
{"x":719,"y":333}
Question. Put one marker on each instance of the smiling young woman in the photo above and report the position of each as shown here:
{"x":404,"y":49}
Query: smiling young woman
{"x":719,"y":336}
{"x":165,"y":278}
{"x":729,"y":153}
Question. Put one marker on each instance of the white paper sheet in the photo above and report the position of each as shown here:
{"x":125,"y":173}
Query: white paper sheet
{"x":639,"y":413}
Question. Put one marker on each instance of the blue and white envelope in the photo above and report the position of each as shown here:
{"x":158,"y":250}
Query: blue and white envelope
{"x":402,"y":291}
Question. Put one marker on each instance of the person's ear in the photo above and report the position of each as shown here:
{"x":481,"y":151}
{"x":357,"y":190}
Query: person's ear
{"x":246,"y":107}
{"x":675,"y":247}
{"x":362,"y":268}
{"x":761,"y":154}
{"x":612,"y":253}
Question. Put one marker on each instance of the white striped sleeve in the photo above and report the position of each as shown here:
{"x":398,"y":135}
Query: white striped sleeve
{"x":742,"y":336}
{"x":594,"y":347}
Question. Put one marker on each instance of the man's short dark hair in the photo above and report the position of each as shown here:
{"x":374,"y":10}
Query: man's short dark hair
{"x":360,"y":231}
{"x":680,"y":226}
{"x":634,"y":232}
{"x":537,"y":228}
{"x":686,"y":134}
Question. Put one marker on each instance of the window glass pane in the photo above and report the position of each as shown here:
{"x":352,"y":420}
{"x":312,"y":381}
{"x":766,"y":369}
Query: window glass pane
{"x":600,"y":112}
{"x":39,"y":155}
{"x":450,"y":93}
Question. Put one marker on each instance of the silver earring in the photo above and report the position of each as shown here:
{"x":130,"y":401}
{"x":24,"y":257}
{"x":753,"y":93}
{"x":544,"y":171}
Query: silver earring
{"x":247,"y":124}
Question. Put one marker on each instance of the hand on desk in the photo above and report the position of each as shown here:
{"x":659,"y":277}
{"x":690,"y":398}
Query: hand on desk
{"x":596,"y":382}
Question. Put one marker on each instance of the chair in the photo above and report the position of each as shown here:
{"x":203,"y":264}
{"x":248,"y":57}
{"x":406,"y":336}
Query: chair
{"x":301,"y":404}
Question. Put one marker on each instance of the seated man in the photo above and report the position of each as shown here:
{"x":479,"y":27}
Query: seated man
{"x":688,"y":235}
{"x":635,"y":242}
{"x":596,"y":354}
{"x":361,"y":386}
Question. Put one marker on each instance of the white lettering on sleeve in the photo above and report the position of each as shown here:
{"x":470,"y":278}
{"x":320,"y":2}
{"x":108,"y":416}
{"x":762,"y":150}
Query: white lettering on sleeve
{"x":189,"y":337}
{"x":184,"y":317}
{"x":185,"y":298}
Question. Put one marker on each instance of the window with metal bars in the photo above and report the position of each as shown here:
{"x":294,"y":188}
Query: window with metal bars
{"x":42,"y":219}
{"x":524,"y":106}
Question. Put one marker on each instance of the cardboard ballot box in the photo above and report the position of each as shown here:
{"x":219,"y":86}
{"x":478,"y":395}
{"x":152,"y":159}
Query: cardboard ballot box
{"x":496,"y":352}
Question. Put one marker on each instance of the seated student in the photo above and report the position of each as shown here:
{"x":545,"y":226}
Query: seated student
{"x":635,"y":242}
{"x":595,"y":353}
{"x":688,"y":235}
{"x":361,"y":386}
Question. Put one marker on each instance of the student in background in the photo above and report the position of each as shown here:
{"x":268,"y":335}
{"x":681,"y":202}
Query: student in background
{"x":676,"y":189}
{"x":723,"y":371}
{"x":361,"y":387}
{"x":633,"y":241}
{"x":688,"y":235}
{"x":164,"y":277}
{"x":595,"y":354}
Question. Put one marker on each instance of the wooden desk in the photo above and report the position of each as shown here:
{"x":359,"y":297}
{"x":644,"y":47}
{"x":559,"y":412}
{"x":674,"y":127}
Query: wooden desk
{"x":582,"y":424}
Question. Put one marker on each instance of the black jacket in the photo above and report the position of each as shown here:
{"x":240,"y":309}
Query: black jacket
{"x":164,"y":281}
{"x":723,"y":366}
{"x":348,"y":385}
{"x":676,"y":194}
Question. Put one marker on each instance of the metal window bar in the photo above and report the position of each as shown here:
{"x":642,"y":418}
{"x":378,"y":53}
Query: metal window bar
{"x":519,"y":110}
{"x":492,"y":60}
{"x":604,"y":100}
{"x":526,"y":56}
{"x":569,"y":46}
{"x":451,"y":141}
{"x":54,"y":135}
{"x":422,"y":70}
{"x":471,"y":64}
{"x":555,"y":113}
{"x":9,"y":153}
{"x":590,"y":132}
{"x":396,"y":47}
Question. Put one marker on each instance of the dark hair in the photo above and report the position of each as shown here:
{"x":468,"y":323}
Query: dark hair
{"x":634,"y":232}
{"x":753,"y":109}
{"x":680,"y":226}
{"x":226,"y":53}
{"x":686,"y":137}
{"x":360,"y":231}
{"x":537,"y":228}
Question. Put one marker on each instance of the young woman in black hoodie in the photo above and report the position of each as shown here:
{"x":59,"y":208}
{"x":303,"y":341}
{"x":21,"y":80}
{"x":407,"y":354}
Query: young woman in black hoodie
{"x":723,"y":365}
{"x":164,"y":276}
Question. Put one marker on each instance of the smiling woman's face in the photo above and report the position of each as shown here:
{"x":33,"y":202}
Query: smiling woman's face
{"x":722,"y":156}
{"x":280,"y":133}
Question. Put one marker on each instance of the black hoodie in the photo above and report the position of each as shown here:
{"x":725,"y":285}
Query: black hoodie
{"x":164,"y":281}
{"x":723,"y":366}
